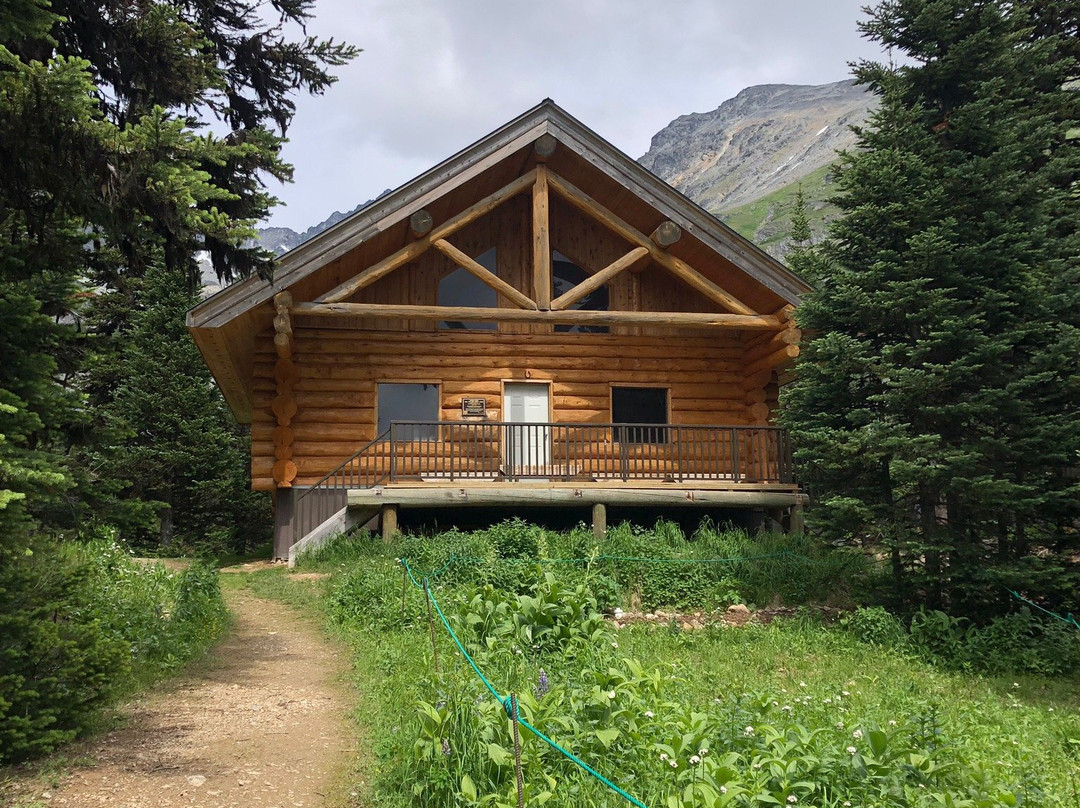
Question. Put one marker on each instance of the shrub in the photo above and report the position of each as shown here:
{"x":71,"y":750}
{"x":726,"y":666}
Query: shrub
{"x":874,"y":625}
{"x":83,"y":624}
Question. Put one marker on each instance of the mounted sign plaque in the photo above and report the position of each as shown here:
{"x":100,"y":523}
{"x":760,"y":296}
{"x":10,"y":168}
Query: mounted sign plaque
{"x":474,"y":407}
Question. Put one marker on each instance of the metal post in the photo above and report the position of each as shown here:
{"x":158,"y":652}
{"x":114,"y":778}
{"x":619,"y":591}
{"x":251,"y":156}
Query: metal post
{"x":517,"y":751}
{"x":431,"y":626}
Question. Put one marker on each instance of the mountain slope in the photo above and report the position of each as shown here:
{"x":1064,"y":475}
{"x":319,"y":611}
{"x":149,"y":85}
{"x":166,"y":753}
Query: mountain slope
{"x":764,"y":138}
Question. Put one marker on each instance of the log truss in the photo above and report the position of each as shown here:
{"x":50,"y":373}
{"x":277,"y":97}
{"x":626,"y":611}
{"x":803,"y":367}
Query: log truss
{"x":540,"y":182}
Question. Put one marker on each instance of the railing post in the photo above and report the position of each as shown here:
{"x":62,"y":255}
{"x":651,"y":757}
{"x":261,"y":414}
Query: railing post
{"x":451,"y":442}
{"x":623,"y":468}
{"x":678,"y":453}
{"x":393,"y":454}
{"x":735,"y":454}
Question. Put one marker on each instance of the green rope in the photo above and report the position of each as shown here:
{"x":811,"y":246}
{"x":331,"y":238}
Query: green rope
{"x":507,"y":704}
{"x":1069,"y":619}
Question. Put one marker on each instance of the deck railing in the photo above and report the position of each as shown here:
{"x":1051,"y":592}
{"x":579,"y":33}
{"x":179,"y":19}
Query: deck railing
{"x":435,"y":451}
{"x":453,"y":450}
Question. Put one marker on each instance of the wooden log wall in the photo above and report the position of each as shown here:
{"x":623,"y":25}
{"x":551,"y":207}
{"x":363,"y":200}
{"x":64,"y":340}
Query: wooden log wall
{"x":337,"y":371}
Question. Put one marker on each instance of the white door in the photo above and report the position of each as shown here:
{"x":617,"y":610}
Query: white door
{"x":528,"y":442}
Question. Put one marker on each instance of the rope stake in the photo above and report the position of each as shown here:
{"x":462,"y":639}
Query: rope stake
{"x":517,"y":751}
{"x":431,"y":626}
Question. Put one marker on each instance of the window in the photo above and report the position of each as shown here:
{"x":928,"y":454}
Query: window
{"x":408,"y":402}
{"x":462,"y":288}
{"x":640,"y":405}
{"x":565,"y":275}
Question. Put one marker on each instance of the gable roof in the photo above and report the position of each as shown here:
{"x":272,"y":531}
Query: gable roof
{"x":224,"y":325}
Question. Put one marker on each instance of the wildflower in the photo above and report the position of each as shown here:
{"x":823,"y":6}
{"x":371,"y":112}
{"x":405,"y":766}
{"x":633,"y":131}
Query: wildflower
{"x":844,"y":692}
{"x":786,"y":708}
{"x":445,"y":747}
{"x":839,"y":724}
{"x":611,"y":694}
{"x":792,"y":799}
{"x":673,"y":764}
{"x":723,"y":789}
{"x":663,"y":755}
{"x":757,"y":764}
{"x":852,"y":750}
{"x":776,"y":704}
{"x":827,"y":701}
{"x":542,"y":684}
{"x":716,"y":701}
{"x":702,"y":752}
{"x":648,"y":713}
{"x":614,"y":645}
{"x":802,"y":684}
{"x":847,"y":804}
{"x":1016,"y":684}
{"x":695,"y":760}
{"x":857,"y":734}
{"x":749,"y":730}
{"x":892,"y":723}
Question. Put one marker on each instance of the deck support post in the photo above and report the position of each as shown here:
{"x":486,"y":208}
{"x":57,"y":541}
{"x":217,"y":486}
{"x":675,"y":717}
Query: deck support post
{"x":283,"y":518}
{"x":796,"y":524}
{"x":389,"y":521}
{"x":599,"y":520}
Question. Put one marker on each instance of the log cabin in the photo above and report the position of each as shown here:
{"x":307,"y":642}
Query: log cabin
{"x":538,"y":320}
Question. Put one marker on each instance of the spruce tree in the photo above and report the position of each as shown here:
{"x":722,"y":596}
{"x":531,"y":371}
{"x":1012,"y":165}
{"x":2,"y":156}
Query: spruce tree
{"x":935,"y":409}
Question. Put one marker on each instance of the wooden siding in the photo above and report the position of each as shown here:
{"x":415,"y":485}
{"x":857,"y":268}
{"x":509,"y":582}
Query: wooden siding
{"x":340,"y":368}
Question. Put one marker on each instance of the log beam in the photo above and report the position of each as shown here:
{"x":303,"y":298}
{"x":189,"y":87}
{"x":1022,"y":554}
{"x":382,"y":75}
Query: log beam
{"x":541,"y":239}
{"x":774,"y":360}
{"x":347,"y":289}
{"x":594,"y":282}
{"x":482,"y":273}
{"x":284,"y":404}
{"x":670,"y":319}
{"x":677,"y":267}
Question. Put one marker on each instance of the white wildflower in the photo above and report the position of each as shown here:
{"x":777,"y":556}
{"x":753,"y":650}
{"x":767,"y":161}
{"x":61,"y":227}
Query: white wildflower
{"x":857,"y":734}
{"x":749,"y":731}
{"x":695,"y":760}
{"x":663,"y":755}
{"x":674,"y":764}
{"x":852,"y":750}
{"x":792,"y":799}
{"x":648,"y":713}
{"x":611,"y":694}
{"x":892,"y":723}
{"x":723,"y":789}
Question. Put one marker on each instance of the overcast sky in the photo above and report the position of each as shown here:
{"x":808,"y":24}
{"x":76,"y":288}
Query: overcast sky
{"x":436,"y":75}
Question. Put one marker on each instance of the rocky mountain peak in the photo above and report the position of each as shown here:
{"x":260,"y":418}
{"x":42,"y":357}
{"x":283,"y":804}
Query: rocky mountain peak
{"x":764,"y":138}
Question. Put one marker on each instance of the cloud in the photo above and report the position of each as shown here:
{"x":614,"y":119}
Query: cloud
{"x":435,"y":75}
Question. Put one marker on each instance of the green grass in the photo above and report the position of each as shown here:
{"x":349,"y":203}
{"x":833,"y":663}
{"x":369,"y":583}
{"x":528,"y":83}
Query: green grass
{"x":1007,"y":734}
{"x":767,"y":221}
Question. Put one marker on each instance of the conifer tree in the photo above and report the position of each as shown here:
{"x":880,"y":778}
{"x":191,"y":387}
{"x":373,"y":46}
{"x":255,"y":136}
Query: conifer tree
{"x":935,"y":410}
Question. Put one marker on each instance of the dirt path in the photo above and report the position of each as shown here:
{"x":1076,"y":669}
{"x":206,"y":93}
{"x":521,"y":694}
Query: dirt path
{"x":262,"y":725}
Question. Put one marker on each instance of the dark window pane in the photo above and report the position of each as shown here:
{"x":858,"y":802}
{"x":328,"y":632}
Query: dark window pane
{"x":409,"y":402}
{"x":565,"y":275}
{"x":640,"y":405}
{"x":462,"y":288}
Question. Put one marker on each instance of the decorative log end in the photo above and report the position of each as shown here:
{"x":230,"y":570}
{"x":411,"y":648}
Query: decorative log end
{"x":544,"y":146}
{"x":420,"y":223}
{"x":666,"y":234}
{"x":283,"y":302}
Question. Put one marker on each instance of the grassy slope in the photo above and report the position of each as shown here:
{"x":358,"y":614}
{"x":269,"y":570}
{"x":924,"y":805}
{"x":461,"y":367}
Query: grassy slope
{"x":767,"y":221}
{"x":1021,"y":724}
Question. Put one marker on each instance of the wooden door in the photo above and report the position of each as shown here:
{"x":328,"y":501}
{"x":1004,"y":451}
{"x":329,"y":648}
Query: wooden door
{"x":528,"y":440}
